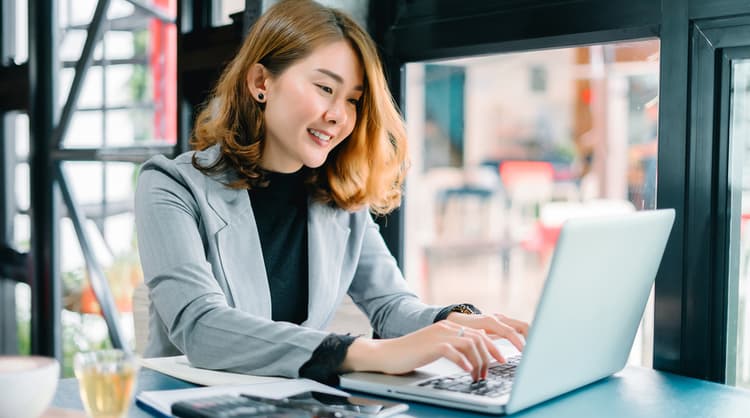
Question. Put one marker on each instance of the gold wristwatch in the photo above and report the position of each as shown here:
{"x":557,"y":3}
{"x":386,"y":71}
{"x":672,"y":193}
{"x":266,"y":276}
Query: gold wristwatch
{"x":466,"y":308}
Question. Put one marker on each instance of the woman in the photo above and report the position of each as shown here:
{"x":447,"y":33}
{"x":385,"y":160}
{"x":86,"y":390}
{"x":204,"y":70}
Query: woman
{"x":249,"y":244}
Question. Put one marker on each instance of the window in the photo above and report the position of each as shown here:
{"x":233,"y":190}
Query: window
{"x":128,"y":99}
{"x":505,"y":148}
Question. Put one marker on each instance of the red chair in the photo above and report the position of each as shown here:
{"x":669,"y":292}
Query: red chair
{"x":514,"y":173}
{"x":528,"y":185}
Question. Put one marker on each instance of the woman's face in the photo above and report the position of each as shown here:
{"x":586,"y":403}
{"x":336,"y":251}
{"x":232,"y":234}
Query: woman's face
{"x":311,"y":107}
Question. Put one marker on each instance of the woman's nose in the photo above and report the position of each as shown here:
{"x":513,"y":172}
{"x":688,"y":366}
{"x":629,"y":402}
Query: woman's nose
{"x":336,"y":113}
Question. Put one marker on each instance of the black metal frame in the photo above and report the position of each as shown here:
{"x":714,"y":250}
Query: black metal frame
{"x":672,"y":184}
{"x":715,"y":43}
{"x":46,"y":286}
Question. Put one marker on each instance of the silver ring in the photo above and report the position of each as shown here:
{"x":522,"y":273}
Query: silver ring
{"x":461,"y":332}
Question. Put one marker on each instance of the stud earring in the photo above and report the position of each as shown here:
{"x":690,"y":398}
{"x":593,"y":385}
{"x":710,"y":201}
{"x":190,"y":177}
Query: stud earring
{"x":261,"y":96}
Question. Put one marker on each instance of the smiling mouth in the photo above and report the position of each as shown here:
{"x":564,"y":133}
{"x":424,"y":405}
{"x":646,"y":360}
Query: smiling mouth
{"x":320,"y":135}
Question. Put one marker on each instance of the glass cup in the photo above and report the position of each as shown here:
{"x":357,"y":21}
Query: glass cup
{"x":106,"y":379}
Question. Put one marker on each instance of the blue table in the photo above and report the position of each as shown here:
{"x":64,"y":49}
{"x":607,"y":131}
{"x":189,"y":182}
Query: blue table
{"x":634,"y":392}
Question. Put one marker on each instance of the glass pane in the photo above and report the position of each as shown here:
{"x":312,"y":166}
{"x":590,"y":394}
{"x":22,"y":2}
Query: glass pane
{"x":19,"y":123}
{"x":130,"y":98}
{"x":76,"y":13}
{"x":121,"y":79}
{"x":504,"y":148}
{"x":739,"y":135}
{"x":91,"y":90}
{"x":22,"y":136}
{"x":21,"y":224}
{"x":224,"y":8}
{"x":104,"y":193}
{"x":22,"y":33}
{"x":22,"y":189}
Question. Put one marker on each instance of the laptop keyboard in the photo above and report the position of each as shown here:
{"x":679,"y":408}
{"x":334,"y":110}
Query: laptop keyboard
{"x":498,"y":383}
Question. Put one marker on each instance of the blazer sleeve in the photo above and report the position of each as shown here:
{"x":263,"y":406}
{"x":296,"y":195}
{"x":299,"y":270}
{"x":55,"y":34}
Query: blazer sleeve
{"x":188,"y":300}
{"x":380,"y":290}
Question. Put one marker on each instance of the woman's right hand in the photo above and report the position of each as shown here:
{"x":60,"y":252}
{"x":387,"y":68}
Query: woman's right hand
{"x":470,"y":349}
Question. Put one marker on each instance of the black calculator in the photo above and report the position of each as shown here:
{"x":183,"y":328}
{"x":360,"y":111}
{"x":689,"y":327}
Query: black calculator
{"x":232,"y":406}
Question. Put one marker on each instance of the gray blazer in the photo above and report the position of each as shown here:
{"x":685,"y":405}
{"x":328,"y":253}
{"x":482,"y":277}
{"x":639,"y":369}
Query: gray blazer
{"x":203,"y":265}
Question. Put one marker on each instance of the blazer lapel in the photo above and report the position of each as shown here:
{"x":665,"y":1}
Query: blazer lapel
{"x":239,"y":250}
{"x":327,"y":236}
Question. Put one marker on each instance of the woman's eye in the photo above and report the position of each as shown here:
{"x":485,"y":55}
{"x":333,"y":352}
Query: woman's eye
{"x":355,"y":102}
{"x":326,"y":89}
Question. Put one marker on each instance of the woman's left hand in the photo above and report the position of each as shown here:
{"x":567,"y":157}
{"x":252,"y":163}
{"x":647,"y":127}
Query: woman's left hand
{"x":499,"y":325}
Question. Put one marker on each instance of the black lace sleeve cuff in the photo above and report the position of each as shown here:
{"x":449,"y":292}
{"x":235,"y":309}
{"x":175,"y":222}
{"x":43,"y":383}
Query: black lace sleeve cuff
{"x":326,"y":360}
{"x":443,"y":314}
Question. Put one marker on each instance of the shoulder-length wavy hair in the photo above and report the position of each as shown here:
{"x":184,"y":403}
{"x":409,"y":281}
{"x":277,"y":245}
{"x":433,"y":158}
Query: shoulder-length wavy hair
{"x":366,"y":169}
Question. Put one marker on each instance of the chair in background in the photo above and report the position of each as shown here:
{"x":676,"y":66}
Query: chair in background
{"x":469,"y":210}
{"x":141,"y":303}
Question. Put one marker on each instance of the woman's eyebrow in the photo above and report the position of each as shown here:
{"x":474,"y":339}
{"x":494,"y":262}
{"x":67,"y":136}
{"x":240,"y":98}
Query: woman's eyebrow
{"x":337,"y":77}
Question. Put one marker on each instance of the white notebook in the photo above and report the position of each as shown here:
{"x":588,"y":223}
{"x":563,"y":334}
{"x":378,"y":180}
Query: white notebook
{"x":179,"y":367}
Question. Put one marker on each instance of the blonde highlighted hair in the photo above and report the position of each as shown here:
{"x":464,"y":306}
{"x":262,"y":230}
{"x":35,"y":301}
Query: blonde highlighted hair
{"x":366,"y":169}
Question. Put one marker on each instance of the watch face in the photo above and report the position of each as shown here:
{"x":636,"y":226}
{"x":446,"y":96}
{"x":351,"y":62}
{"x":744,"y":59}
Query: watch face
{"x":464,"y":309}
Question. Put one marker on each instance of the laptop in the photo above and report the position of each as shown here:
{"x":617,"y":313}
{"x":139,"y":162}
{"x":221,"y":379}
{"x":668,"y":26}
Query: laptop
{"x":598,"y":283}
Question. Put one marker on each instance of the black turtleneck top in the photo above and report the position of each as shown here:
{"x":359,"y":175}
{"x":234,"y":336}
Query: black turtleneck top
{"x":281,"y":216}
{"x":280,"y":211}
